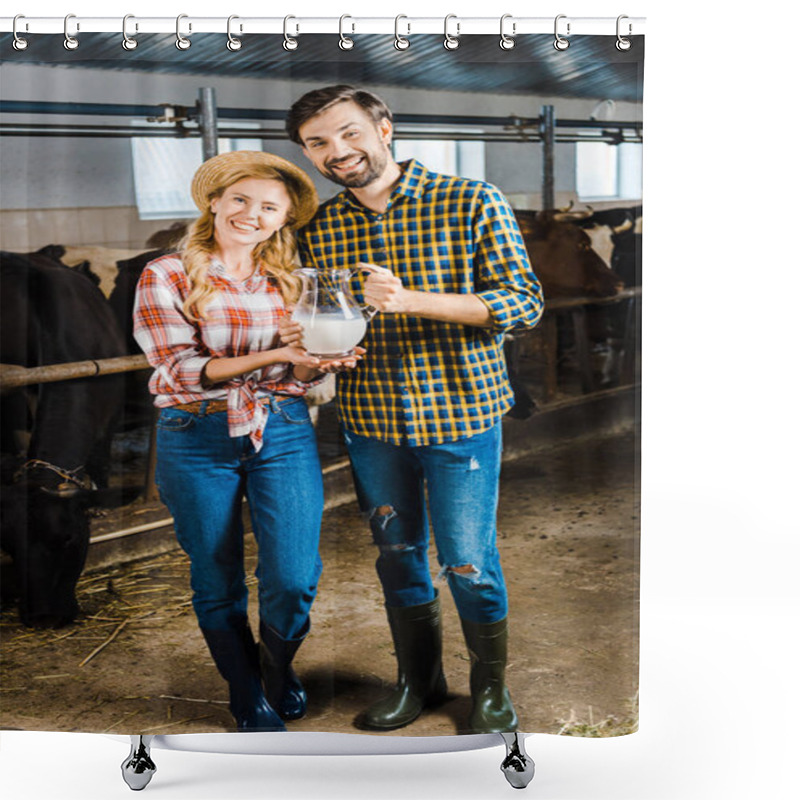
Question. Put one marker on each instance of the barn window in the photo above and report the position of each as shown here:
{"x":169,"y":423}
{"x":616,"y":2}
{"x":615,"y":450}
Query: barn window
{"x":163,"y":170}
{"x":451,"y":157}
{"x":608,"y":172}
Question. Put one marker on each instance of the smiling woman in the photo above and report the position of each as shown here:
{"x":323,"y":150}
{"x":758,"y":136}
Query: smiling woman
{"x":245,"y":215}
{"x":207,"y":320}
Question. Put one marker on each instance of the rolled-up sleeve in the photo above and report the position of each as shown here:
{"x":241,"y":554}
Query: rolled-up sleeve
{"x":504,"y":277}
{"x":167,"y":337}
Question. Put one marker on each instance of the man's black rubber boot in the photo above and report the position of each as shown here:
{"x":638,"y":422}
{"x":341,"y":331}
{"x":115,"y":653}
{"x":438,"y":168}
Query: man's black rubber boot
{"x":492,"y":709}
{"x":417,"y":636}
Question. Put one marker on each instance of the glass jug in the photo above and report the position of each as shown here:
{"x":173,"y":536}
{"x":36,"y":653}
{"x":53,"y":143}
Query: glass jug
{"x":333,"y":321}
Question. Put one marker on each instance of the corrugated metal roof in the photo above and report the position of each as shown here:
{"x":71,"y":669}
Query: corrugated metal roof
{"x":591,"y":67}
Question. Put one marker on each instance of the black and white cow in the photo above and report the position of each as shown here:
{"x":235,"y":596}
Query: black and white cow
{"x":616,"y":236}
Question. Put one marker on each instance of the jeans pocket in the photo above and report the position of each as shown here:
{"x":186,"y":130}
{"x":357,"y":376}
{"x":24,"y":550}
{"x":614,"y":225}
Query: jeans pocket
{"x":295,"y":411}
{"x":175,"y":419}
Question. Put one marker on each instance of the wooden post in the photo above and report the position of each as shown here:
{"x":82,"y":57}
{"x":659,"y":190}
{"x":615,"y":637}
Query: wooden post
{"x":582,"y":348}
{"x":150,"y":490}
{"x":549,"y":325}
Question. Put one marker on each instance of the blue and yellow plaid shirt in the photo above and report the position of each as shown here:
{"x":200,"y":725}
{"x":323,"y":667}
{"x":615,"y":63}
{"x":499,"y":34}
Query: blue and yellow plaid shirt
{"x":422,"y":381}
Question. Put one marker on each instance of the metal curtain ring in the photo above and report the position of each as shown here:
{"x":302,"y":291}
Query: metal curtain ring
{"x":345,"y":42}
{"x":451,"y":42}
{"x":400,"y":42}
{"x":70,"y":42}
{"x":181,"y":42}
{"x":623,"y":43}
{"x":561,"y":43}
{"x":288,"y":42}
{"x":128,"y":42}
{"x":507,"y":42}
{"x":19,"y":43}
{"x":233,"y":43}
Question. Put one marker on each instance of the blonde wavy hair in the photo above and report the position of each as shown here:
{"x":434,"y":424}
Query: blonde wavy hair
{"x":277,"y":256}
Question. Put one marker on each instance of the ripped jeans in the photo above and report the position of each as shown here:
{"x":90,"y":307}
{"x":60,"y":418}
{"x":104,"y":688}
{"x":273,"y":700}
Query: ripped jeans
{"x":462,"y":479}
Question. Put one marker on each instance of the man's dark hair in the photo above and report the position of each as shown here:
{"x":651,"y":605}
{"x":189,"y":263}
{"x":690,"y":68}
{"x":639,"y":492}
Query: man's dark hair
{"x":319,"y":100}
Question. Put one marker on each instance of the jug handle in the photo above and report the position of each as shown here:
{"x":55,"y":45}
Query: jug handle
{"x":368,"y":310}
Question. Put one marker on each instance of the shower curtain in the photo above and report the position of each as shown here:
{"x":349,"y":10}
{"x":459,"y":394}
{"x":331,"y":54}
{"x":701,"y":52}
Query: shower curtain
{"x":99,"y":146}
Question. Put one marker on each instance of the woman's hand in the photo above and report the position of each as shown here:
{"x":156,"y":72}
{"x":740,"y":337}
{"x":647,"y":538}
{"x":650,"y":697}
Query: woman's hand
{"x":290,"y":331}
{"x":329,"y":366}
{"x":342,"y":364}
{"x":298,"y":357}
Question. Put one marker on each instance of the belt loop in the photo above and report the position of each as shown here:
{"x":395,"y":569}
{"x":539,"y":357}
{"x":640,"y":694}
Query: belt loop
{"x":203,"y":408}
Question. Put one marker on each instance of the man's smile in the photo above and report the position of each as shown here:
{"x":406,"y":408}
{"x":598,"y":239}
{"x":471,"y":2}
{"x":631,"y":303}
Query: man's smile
{"x":348,"y":164}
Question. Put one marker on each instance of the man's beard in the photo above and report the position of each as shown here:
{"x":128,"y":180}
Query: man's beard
{"x":375,"y":165}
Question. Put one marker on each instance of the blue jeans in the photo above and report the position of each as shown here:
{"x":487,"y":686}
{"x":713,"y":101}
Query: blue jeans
{"x":462,"y":479}
{"x":202,"y":475}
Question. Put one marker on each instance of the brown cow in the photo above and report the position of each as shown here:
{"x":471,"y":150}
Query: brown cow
{"x":568,"y":266}
{"x":563,"y":258}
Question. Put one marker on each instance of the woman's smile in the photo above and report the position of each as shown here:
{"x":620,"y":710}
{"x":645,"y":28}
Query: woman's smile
{"x":249,"y":212}
{"x":244,"y":227}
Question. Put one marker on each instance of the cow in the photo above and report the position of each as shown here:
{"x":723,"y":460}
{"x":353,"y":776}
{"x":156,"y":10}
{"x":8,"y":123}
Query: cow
{"x":52,"y":314}
{"x":616,"y":236}
{"x":563,"y":257}
{"x":116,"y":272}
{"x":568,"y":266}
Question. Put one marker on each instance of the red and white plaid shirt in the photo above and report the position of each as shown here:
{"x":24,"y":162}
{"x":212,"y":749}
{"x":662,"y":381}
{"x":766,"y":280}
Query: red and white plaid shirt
{"x":241,"y":318}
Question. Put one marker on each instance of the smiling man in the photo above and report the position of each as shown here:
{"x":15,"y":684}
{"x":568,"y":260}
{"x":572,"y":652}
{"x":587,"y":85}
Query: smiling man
{"x":446,"y":265}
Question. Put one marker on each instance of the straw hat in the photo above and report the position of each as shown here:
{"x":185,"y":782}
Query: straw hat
{"x":214,"y":172}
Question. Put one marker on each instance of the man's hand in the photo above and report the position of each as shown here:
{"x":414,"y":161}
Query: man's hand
{"x":384,"y":291}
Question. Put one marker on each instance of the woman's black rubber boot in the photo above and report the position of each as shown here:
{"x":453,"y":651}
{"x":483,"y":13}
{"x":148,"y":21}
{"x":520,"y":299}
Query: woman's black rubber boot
{"x":282,"y":687}
{"x":235,"y":653}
